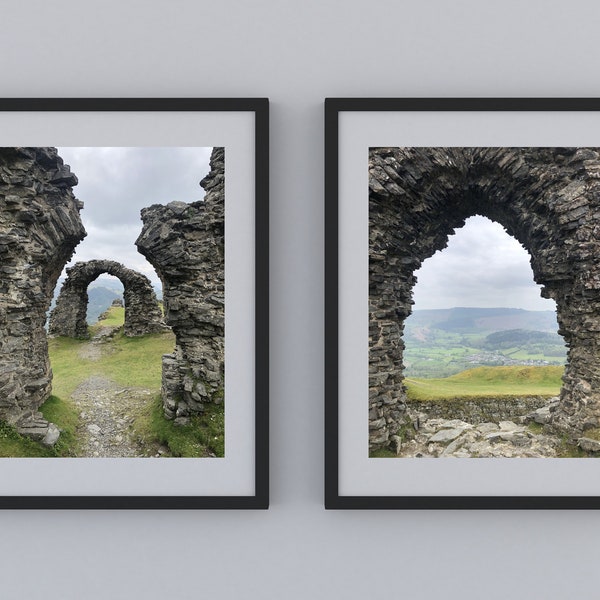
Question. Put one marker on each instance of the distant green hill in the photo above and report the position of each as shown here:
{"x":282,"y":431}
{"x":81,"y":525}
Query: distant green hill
{"x":442,"y":342}
{"x":520,"y":337}
{"x":482,"y":320}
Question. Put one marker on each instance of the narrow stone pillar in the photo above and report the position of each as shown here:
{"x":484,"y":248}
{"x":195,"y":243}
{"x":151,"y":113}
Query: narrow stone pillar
{"x":579,"y":319}
{"x":389,"y":305}
{"x":39,"y":229}
{"x":186,"y":245}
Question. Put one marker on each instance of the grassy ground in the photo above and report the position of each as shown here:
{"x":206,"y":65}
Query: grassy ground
{"x":131,"y":362}
{"x":491,"y":382}
{"x":204,"y":436}
{"x":55,"y":410}
{"x":114,"y":317}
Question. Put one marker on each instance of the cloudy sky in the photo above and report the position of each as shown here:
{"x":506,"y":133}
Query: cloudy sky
{"x":116,"y":183}
{"x":482,"y":266}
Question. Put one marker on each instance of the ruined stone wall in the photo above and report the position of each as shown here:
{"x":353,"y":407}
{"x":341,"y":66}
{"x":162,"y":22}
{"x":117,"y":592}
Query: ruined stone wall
{"x":547,"y":198}
{"x":186,"y":245}
{"x":39,"y":229}
{"x":482,"y":410}
{"x":142,"y":313}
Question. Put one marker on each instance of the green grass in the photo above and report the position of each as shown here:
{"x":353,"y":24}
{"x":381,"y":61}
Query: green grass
{"x":204,"y":435}
{"x":66,"y":417}
{"x":132,"y":361}
{"x":382,"y":453}
{"x":115,"y":317}
{"x":69,"y":370}
{"x":137,"y":361}
{"x":12,"y":444}
{"x":54,"y":410}
{"x":490,"y":382}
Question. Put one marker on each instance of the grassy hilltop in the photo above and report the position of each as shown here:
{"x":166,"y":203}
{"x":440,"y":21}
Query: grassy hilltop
{"x":489,"y":382}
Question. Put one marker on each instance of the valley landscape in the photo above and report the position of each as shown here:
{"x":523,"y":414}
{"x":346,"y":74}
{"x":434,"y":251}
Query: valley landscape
{"x":443,"y":342}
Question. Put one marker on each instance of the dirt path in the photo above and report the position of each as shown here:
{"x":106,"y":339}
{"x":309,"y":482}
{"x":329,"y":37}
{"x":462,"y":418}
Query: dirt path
{"x":107,"y":410}
{"x":96,"y":347}
{"x":107,"y":413}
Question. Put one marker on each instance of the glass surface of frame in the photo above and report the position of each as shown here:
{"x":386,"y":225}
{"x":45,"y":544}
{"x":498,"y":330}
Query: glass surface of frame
{"x":401,"y":176}
{"x":141,"y":412}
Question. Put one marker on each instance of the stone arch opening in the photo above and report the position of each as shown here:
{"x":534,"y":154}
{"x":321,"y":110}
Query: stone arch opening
{"x":481,"y":281}
{"x":546,"y":198}
{"x":142,"y":312}
{"x":482,"y":266}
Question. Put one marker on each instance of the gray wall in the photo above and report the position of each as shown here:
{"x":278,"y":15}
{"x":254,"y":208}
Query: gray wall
{"x":297,"y":53}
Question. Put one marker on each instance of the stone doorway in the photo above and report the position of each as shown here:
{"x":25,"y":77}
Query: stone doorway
{"x":142,"y":313}
{"x":546,"y":198}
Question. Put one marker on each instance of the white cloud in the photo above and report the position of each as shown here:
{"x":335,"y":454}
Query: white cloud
{"x":482,"y":266}
{"x":116,"y":183}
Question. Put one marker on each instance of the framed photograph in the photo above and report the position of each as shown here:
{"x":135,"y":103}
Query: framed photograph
{"x":134,"y":303}
{"x":462,"y":303}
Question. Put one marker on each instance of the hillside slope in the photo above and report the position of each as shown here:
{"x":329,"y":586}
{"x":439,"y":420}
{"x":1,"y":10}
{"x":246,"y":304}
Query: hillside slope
{"x":443,"y":342}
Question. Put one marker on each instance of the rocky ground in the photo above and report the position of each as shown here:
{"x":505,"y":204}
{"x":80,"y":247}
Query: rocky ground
{"x":107,"y":410}
{"x":459,"y":439}
{"x":107,"y":413}
{"x":527,"y":436}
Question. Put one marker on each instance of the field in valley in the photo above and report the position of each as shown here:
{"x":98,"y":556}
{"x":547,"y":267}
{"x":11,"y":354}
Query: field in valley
{"x":441,"y":343}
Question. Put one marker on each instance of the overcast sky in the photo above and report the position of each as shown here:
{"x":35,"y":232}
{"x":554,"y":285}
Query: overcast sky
{"x":116,"y":183}
{"x":482,"y":266}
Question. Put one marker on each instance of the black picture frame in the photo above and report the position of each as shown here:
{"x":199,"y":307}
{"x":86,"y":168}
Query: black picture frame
{"x":334,"y":109}
{"x":259,"y":108}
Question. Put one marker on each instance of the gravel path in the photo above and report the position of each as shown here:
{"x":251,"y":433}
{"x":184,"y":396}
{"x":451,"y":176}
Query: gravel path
{"x":96,"y":347}
{"x":107,"y":410}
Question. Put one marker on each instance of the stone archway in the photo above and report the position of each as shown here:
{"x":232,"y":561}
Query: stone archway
{"x":186,"y":245}
{"x":142,"y":313}
{"x":547,"y":198}
{"x":39,"y":229}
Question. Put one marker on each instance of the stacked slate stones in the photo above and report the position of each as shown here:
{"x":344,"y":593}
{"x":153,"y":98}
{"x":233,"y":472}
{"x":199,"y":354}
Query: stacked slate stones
{"x":39,"y":229}
{"x":185,"y":243}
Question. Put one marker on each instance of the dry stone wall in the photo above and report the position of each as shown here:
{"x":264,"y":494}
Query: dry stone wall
{"x":142,"y":313}
{"x":39,"y":229}
{"x":186,"y":245}
{"x":547,"y":198}
{"x":478,"y":411}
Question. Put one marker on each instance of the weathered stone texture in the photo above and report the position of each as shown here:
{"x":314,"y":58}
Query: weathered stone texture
{"x":547,"y":198}
{"x":39,"y":229}
{"x":185,"y":244}
{"x":442,"y":438}
{"x":477,"y":411}
{"x":142,"y":313}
